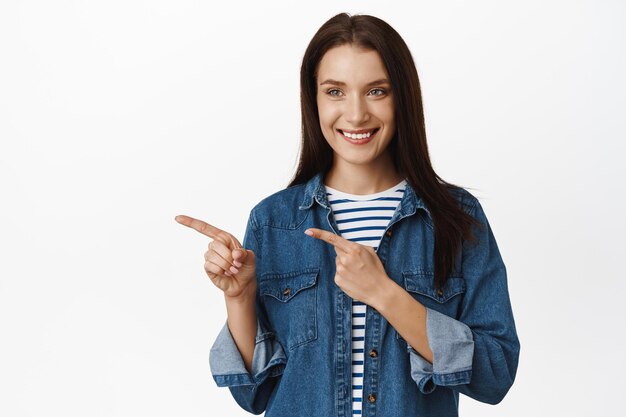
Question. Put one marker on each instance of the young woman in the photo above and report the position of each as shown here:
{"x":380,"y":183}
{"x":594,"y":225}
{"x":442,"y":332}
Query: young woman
{"x":369,"y":285}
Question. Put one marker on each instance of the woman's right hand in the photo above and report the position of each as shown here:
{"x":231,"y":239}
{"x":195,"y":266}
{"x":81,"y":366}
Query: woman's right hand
{"x":231,"y":267}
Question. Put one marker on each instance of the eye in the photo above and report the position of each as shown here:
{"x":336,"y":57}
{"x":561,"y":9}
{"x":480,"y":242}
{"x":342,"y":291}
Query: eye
{"x":378,"y":91}
{"x":334,"y":92}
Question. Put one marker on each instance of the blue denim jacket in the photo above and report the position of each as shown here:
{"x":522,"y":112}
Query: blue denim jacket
{"x":302,"y":359}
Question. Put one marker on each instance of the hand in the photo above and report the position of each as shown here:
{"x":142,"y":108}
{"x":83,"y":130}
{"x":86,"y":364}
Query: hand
{"x":359,"y":271}
{"x":231,"y":267}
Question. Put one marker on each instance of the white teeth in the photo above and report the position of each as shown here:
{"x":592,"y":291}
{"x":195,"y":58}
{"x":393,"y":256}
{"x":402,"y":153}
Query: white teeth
{"x":358,"y":136}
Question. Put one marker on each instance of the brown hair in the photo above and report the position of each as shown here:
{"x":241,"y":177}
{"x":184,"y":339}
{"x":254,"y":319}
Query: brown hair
{"x":408,"y":147}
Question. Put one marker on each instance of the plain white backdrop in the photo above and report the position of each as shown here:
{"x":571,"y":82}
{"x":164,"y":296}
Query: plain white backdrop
{"x":116,"y":116}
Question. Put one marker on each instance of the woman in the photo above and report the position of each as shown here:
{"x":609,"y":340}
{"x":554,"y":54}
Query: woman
{"x":397,"y":299}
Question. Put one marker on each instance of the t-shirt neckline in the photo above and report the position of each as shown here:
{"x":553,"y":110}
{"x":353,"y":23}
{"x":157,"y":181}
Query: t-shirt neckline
{"x":391,"y":190}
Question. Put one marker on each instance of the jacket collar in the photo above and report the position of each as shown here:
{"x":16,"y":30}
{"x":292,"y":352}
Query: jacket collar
{"x":314,"y":190}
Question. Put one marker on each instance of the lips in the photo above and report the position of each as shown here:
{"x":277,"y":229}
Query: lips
{"x":362,"y":140}
{"x":358,"y":134}
{"x":360,"y":131}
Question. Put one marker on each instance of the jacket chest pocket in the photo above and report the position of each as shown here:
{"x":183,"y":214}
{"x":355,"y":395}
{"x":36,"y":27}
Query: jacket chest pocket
{"x":290,"y":300}
{"x":421,"y":286}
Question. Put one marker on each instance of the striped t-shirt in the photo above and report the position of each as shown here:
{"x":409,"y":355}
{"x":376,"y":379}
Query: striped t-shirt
{"x":362,"y":219}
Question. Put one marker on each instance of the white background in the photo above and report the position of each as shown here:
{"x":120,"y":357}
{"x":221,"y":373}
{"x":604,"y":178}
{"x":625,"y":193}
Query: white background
{"x":115,"y":116}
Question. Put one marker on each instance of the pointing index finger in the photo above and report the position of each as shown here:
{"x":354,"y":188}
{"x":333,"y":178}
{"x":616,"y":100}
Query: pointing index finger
{"x":328,"y":237}
{"x":200,"y":226}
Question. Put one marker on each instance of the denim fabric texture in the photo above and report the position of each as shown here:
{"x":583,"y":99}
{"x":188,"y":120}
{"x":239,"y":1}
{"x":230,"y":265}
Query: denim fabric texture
{"x":302,"y":358}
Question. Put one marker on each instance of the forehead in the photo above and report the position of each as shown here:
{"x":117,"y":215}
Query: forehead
{"x":351,"y":64}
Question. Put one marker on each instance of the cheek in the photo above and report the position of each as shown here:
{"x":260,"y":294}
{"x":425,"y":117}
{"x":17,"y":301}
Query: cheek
{"x":327,"y":116}
{"x":391,"y":123}
{"x":388,"y":118}
{"x":387,"y":114}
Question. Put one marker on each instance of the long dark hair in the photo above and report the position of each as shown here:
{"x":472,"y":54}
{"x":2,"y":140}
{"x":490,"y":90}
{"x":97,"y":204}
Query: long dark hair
{"x":408,"y":147}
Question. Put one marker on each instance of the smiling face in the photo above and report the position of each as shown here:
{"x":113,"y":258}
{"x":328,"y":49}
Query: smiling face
{"x":355,"y":106}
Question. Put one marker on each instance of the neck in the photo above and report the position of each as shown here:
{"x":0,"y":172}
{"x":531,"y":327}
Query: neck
{"x":362,"y":179}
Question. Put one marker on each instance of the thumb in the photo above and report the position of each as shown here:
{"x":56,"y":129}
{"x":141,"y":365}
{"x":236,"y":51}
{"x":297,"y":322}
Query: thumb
{"x":243,"y":255}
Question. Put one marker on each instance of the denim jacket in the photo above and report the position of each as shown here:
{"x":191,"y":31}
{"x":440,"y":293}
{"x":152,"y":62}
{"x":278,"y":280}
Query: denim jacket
{"x":302,"y":358}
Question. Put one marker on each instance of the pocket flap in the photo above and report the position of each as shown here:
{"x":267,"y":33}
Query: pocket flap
{"x":423,"y":283}
{"x":284,"y":287}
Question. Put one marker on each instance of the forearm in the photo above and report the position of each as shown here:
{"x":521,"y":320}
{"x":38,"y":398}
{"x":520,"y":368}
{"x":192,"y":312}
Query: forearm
{"x":407,"y":316}
{"x":242,"y":322}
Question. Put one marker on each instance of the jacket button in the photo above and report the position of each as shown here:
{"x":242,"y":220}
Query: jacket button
{"x":388,"y":233}
{"x":373,"y":353}
{"x":440,"y":292}
{"x":371,"y":398}
{"x":287,"y":291}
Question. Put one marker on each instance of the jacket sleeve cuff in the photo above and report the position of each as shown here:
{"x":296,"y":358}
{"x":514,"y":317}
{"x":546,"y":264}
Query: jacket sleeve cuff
{"x":452,"y":344}
{"x":227,"y":365}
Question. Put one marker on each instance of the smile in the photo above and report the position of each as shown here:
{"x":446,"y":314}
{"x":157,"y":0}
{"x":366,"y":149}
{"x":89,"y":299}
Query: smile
{"x":359,"y":137}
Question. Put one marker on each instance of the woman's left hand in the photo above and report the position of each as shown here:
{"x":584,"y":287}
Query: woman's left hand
{"x":359,"y":271}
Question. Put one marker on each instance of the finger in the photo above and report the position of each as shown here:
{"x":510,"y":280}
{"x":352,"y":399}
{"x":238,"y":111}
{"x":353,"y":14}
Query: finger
{"x":328,"y":237}
{"x":215,"y":277}
{"x":239,"y":256}
{"x":225,"y":269}
{"x":236,"y":257}
{"x":216,"y":259}
{"x":203,"y":227}
{"x":222,"y":250}
{"x":212,"y":270}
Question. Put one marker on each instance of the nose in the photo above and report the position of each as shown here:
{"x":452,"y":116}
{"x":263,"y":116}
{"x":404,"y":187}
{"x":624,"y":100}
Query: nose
{"x":357,"y":112}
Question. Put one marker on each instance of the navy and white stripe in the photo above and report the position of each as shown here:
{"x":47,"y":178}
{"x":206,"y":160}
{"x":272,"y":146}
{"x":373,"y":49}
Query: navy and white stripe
{"x":362,"y":219}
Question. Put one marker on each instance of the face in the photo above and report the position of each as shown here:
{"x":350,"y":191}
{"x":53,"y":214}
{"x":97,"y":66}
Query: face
{"x":355,"y":104}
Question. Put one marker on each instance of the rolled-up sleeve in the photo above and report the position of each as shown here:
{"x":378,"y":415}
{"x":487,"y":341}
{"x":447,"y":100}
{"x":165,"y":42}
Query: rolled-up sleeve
{"x":476,"y":354}
{"x":251,"y":389}
{"x":452,"y":344}
{"x":227,"y":365}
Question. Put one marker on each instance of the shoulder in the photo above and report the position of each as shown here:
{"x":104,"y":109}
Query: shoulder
{"x":467,"y":201}
{"x":281,"y":209}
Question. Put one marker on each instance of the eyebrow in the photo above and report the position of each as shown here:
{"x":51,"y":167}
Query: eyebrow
{"x":341,"y":83}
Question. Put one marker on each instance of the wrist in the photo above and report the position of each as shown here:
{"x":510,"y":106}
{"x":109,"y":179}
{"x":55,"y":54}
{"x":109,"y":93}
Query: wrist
{"x":244,"y":297}
{"x":387,"y":296}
